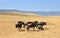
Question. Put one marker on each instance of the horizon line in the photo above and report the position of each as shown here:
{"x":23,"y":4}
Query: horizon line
{"x":27,"y":10}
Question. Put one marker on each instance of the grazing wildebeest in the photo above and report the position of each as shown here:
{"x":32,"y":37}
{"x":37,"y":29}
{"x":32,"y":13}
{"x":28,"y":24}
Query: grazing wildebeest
{"x":40,"y":25}
{"x":19,"y":25}
{"x":32,"y":24}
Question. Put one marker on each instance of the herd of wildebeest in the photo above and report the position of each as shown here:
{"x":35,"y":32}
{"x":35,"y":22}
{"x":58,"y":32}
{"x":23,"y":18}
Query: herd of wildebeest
{"x":29,"y":25}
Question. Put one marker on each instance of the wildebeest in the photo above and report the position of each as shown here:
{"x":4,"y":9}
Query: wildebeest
{"x":19,"y":25}
{"x":40,"y":25}
{"x":31,"y":24}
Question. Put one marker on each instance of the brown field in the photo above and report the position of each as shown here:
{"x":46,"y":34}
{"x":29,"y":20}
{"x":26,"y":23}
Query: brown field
{"x":8,"y":30}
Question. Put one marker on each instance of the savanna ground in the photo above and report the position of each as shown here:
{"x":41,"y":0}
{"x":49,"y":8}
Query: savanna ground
{"x":8,"y":30}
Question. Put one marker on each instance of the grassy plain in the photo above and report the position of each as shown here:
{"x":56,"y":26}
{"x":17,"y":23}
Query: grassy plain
{"x":8,"y":30}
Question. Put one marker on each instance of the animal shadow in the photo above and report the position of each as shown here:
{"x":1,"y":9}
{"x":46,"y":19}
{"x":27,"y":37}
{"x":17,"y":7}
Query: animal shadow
{"x":21,"y":30}
{"x":45,"y":29}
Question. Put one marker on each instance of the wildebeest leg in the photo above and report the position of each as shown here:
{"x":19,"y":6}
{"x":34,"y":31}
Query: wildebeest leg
{"x":28,"y":28}
{"x":33,"y":28}
{"x":42,"y":27}
{"x":18,"y":29}
{"x":24,"y":26}
{"x":39,"y":28}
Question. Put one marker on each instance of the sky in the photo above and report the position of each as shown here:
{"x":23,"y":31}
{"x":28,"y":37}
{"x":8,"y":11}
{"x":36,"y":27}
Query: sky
{"x":31,"y":5}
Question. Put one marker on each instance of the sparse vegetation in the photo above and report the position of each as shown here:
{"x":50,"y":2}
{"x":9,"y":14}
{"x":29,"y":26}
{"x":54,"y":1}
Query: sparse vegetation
{"x":8,"y":30}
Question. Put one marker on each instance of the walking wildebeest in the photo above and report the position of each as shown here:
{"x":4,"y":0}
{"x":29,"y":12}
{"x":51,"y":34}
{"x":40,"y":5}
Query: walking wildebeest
{"x":32,"y":24}
{"x":40,"y":25}
{"x":19,"y":25}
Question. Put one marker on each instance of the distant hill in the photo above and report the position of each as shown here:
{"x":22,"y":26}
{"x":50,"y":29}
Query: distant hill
{"x":45,"y":13}
{"x":15,"y":12}
{"x":18,"y":14}
{"x":9,"y":10}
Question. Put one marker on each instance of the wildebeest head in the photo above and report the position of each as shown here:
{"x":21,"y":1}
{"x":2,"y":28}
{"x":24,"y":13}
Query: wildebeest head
{"x":35,"y":21}
{"x":16,"y":25}
{"x":42,"y":23}
{"x":20,"y":22}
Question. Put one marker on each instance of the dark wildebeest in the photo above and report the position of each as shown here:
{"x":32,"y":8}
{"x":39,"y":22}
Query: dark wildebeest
{"x":40,"y":25}
{"x":31,"y":24}
{"x":19,"y":25}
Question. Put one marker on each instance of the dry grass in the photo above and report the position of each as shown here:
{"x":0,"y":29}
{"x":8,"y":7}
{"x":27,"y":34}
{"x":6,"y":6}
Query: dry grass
{"x":8,"y":30}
